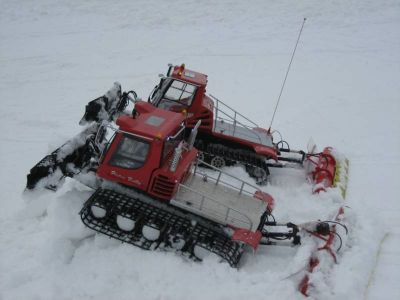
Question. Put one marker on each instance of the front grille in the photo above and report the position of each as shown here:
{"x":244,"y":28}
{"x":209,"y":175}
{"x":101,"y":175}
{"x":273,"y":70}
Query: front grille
{"x":163,"y":186}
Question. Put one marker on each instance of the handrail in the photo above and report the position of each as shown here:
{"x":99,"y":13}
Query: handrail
{"x":241,"y":188}
{"x":218,"y":180}
{"x":249,"y":129}
{"x":233,"y":119}
{"x":227,"y":216}
{"x":230,"y":119}
{"x":223,"y":103}
{"x":171,"y":137}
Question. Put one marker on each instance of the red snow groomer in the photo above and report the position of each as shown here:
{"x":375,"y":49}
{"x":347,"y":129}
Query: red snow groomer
{"x":154,"y":195}
{"x":158,"y":180}
{"x":151,"y":192}
{"x":162,"y":199}
{"x":226,"y":137}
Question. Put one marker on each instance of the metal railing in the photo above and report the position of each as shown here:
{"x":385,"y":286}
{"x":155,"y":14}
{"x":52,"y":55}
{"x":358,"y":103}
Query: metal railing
{"x":226,"y":213}
{"x":241,"y":188}
{"x":231,"y":116}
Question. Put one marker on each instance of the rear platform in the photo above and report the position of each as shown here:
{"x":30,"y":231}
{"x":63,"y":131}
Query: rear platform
{"x":208,"y":195}
{"x":241,"y":132}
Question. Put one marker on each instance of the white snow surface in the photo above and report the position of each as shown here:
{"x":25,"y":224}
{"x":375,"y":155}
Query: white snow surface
{"x":343,"y":90}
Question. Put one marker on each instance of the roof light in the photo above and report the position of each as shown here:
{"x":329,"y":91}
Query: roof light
{"x":181,"y":68}
{"x":158,"y":136}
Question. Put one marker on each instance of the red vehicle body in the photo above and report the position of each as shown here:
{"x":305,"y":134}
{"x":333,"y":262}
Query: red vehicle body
{"x":202,"y":107}
{"x":141,"y":155}
{"x":150,"y":126}
{"x":225,"y":137}
{"x":151,"y":193}
{"x":228,"y":136}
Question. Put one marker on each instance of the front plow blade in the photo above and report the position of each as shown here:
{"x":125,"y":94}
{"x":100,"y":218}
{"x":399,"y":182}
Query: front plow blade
{"x":75,"y":156}
{"x":106,"y":107}
{"x":82,"y":151}
{"x":46,"y":168}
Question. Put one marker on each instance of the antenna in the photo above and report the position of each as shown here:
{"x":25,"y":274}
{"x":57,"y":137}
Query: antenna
{"x":287,"y":73}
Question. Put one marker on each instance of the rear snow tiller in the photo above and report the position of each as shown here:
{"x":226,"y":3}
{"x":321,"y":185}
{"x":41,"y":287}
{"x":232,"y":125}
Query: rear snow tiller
{"x":323,"y":250}
{"x":328,"y":170}
{"x":158,"y":180}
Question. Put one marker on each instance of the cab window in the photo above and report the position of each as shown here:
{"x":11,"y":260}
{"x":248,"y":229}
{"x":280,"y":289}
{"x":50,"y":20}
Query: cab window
{"x":130,"y":154}
{"x":178,"y":95}
{"x":180,"y":91}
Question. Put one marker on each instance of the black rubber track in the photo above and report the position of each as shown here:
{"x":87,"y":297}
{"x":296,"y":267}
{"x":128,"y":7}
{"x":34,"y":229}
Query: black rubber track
{"x":173,"y":224}
{"x":243,"y":156}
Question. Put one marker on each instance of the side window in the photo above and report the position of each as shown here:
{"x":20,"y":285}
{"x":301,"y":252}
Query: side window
{"x":181,"y":92}
{"x":130,"y":154}
{"x":159,"y":90}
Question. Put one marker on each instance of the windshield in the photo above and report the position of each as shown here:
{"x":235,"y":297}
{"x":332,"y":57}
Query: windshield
{"x":177,"y":96}
{"x":131,"y":153}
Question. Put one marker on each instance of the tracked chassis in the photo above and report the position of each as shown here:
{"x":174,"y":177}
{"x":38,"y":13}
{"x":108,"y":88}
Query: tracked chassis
{"x":179,"y":231}
{"x":220,"y":155}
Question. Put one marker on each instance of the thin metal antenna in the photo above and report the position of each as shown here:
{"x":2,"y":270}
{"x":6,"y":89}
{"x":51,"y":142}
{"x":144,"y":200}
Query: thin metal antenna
{"x":287,"y":73}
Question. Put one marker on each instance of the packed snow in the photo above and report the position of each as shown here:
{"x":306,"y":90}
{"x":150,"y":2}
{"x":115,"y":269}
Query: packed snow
{"x":342,"y":90}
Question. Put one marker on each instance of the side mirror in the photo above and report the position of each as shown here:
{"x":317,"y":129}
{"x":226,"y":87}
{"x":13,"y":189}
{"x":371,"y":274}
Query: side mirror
{"x":152,"y":93}
{"x":169,"y":69}
{"x":193,"y":135}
